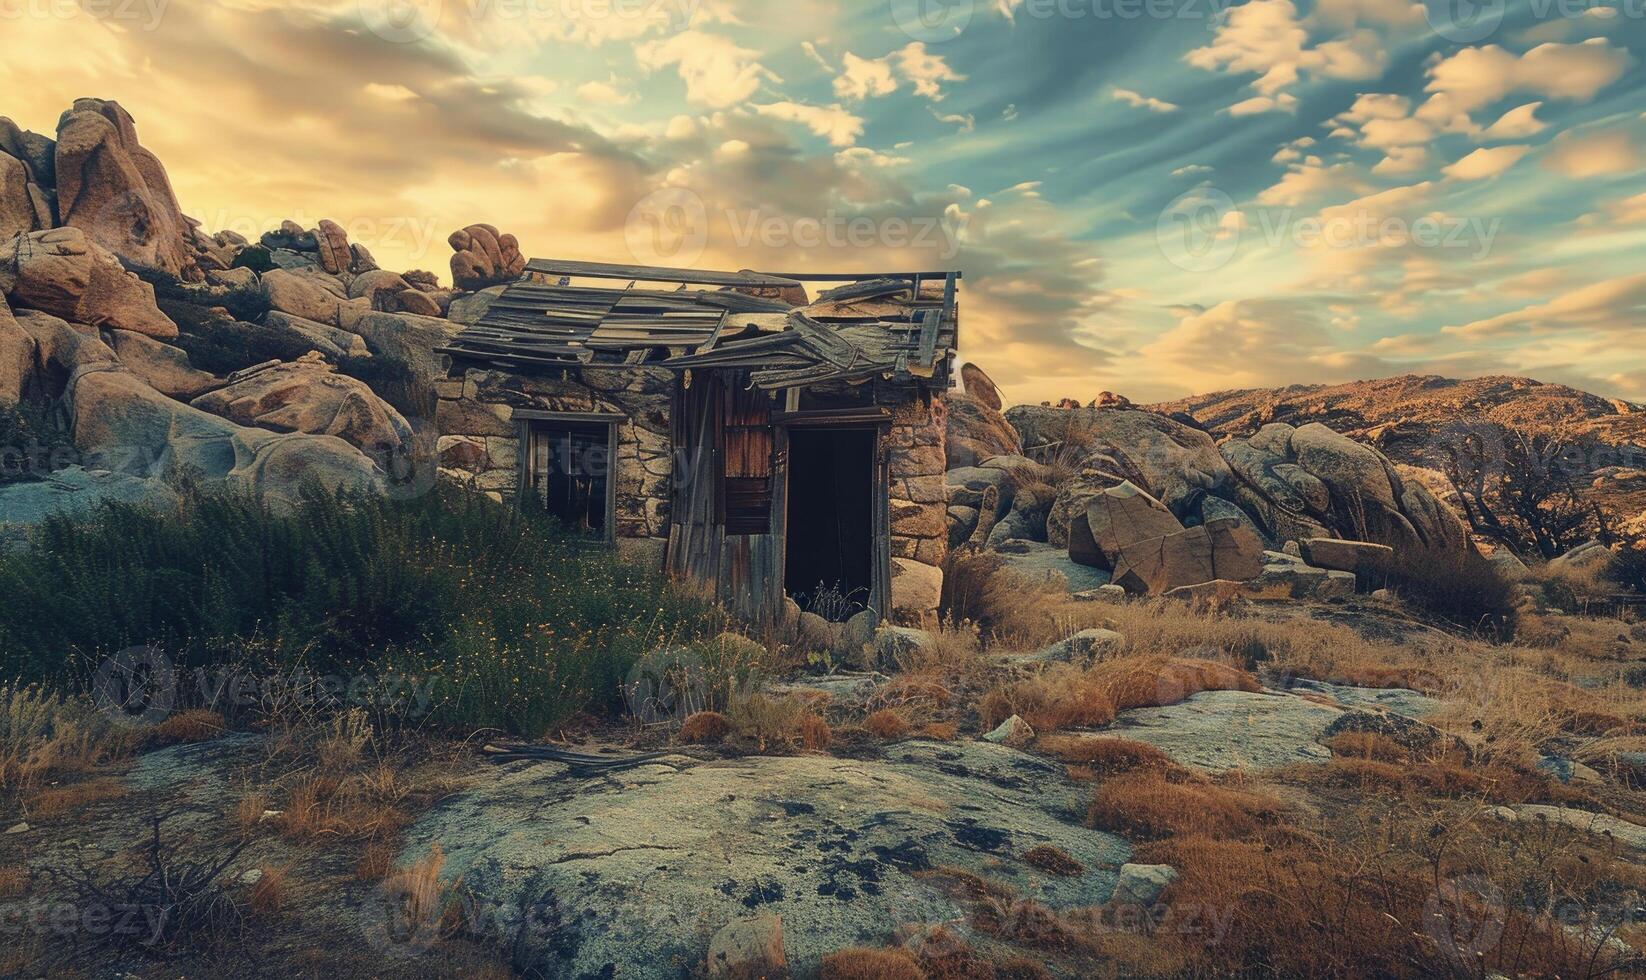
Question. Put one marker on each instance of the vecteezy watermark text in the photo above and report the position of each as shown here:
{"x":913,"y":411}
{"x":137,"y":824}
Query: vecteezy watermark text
{"x":671,"y":226}
{"x":1202,"y":230}
{"x":144,"y":15}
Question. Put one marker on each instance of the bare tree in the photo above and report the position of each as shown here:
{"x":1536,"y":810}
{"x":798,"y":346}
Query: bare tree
{"x":1520,"y":486}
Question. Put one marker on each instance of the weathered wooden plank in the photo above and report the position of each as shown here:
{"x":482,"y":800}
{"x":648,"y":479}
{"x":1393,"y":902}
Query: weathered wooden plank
{"x":654,"y":273}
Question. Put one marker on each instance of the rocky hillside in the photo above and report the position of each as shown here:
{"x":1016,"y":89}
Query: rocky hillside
{"x":1414,"y":418}
{"x":137,"y":348}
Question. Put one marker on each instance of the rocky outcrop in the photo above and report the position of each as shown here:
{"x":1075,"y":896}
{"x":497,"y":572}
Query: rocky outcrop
{"x":117,"y":192}
{"x":1205,"y":553}
{"x":404,"y":337}
{"x":17,"y":353}
{"x":1311,"y":482}
{"x":161,"y":366}
{"x":308,"y":295}
{"x":975,"y":428}
{"x":125,"y":426}
{"x":484,"y":257}
{"x":1115,"y":518}
{"x":307,"y":395}
{"x":837,"y":848}
{"x":1166,"y":458}
{"x":64,"y":273}
{"x":27,"y":183}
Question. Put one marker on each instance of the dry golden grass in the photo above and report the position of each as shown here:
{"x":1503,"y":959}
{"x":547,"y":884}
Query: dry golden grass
{"x":353,"y":807}
{"x":1155,"y":681}
{"x":914,"y":689}
{"x":1145,"y":805}
{"x":778,"y":724}
{"x":1110,"y":756}
{"x":942,"y":731}
{"x":1049,"y":858}
{"x":60,"y":801}
{"x":426,"y":903}
{"x":887,"y":724}
{"x":1059,"y":697}
{"x":1067,"y":696}
{"x":871,"y":964}
{"x":44,"y":736}
{"x":376,"y":861}
{"x":193,"y":725}
{"x":268,"y":895}
{"x":14,"y":880}
{"x":248,"y":812}
{"x":704,"y":728}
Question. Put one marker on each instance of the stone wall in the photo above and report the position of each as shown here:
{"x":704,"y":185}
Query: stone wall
{"x":479,"y":439}
{"x":920,"y":531}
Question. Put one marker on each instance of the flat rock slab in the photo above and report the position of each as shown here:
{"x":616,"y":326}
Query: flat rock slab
{"x":1041,"y":562}
{"x":1599,"y":824}
{"x":1216,"y":731}
{"x":632,"y":875}
{"x":1395,"y":700}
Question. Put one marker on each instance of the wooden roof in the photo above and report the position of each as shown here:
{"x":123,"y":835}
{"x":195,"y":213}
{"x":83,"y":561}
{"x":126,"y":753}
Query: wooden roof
{"x":900,"y":326}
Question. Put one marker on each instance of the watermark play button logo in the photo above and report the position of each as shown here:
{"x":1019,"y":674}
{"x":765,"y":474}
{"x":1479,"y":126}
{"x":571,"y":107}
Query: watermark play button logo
{"x":1464,"y":21}
{"x":932,"y":21}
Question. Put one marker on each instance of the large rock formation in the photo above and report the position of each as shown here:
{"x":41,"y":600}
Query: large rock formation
{"x":1218,"y":550}
{"x":27,"y":181}
{"x":1171,"y":461}
{"x":484,"y":257}
{"x":307,"y":395}
{"x":976,"y":429}
{"x":17,"y":353}
{"x":64,"y":273}
{"x":1311,"y":482}
{"x":1115,"y":518}
{"x":117,"y":192}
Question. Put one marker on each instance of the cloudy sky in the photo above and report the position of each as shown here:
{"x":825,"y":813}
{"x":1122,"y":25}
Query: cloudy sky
{"x":1154,"y":197}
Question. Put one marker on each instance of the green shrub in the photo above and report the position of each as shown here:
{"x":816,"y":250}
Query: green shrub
{"x":515,"y":624}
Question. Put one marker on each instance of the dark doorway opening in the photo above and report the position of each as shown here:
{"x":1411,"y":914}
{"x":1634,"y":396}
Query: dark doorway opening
{"x":830,"y":550}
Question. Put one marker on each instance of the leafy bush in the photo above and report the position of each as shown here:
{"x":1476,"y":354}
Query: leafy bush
{"x":510,"y":622}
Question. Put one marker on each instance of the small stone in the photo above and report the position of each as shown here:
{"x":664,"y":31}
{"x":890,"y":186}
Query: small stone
{"x":21,"y":828}
{"x":1143,"y":884}
{"x":1014,"y":732}
{"x":1382,"y":595}
{"x":251,"y":876}
{"x":270,"y":814}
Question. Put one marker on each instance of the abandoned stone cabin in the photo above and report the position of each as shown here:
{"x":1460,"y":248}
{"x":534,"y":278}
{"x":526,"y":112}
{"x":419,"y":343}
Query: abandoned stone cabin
{"x":721,"y":425}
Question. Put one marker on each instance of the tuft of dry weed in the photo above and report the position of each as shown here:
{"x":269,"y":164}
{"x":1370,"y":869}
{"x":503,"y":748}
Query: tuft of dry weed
{"x":704,"y":728}
{"x":1055,"y":860}
{"x":193,"y":725}
{"x":268,"y":895}
{"x":887,"y":724}
{"x":871,"y":964}
{"x":1146,"y":805}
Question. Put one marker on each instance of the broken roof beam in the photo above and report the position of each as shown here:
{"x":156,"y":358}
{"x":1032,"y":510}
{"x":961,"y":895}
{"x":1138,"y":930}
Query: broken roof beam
{"x":655,"y":273}
{"x":861,"y":276}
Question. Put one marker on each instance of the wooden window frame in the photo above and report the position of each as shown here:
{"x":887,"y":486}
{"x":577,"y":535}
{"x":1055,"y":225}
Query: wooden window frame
{"x":525,"y":418}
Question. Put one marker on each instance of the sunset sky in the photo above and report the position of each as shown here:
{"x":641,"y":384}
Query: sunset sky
{"x":1154,"y":197}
